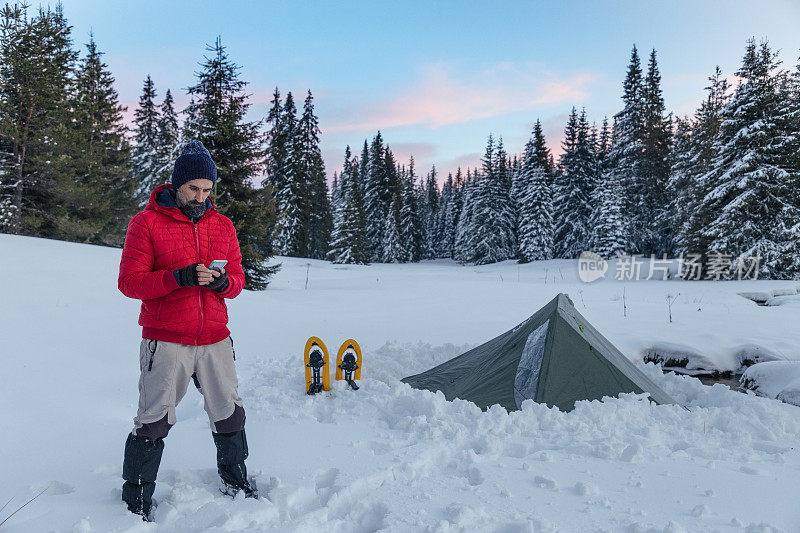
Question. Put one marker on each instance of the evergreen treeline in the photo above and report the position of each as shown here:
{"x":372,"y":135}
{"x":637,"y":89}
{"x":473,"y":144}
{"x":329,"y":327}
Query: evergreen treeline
{"x":69,"y":167}
{"x":720,"y":185}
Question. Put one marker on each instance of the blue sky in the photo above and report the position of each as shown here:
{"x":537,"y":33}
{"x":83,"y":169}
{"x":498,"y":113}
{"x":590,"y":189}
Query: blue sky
{"x":436,"y":77}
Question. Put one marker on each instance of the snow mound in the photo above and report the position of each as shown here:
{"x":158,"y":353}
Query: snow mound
{"x":775,"y":379}
{"x":677,"y":355}
{"x":784,"y":300}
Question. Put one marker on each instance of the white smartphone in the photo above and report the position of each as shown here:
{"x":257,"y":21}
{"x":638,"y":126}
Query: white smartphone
{"x":217,"y":264}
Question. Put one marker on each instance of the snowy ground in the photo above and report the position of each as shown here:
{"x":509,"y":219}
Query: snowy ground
{"x":389,"y":457}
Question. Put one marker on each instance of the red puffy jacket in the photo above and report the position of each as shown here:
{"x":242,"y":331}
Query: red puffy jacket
{"x":161,"y":239}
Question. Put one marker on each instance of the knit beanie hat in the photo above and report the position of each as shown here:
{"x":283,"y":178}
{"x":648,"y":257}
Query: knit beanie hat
{"x":194,"y":163}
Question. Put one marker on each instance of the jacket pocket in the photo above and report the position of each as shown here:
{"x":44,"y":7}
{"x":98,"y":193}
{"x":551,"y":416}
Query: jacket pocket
{"x":159,"y":305}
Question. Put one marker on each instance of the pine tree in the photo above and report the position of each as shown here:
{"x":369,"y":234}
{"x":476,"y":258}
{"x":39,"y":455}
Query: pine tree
{"x":442,"y":233}
{"x":625,"y":165}
{"x":573,"y":189}
{"x":348,"y":241}
{"x":217,"y":120}
{"x":492,"y":215}
{"x":430,"y":214}
{"x":535,"y":208}
{"x":394,"y":250}
{"x":609,"y":233}
{"x":311,"y":170}
{"x":752,"y":189}
{"x":145,"y":152}
{"x":603,"y":143}
{"x":463,"y":247}
{"x":692,"y":215}
{"x":101,"y":196}
{"x":658,"y":222}
{"x":680,"y":179}
{"x":292,"y":198}
{"x":276,"y":145}
{"x":36,"y":68}
{"x":410,"y":225}
{"x":543,"y":156}
{"x":377,"y":195}
{"x":168,"y":139}
{"x":335,"y":190}
{"x":451,"y":212}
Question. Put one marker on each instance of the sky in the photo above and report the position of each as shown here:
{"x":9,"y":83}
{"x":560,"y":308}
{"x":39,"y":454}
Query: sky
{"x":435,"y":77}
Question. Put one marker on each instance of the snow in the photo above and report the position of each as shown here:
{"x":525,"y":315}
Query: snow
{"x":389,"y":457}
{"x":775,"y":379}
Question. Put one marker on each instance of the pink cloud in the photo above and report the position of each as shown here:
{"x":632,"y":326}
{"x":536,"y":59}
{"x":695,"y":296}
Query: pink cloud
{"x":441,"y":97}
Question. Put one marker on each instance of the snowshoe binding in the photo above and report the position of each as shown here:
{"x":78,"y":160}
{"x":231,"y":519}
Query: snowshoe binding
{"x":316,"y":360}
{"x":348,"y":363}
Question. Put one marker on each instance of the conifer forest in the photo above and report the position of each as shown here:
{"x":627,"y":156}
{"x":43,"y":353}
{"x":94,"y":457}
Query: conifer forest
{"x":723,"y":181}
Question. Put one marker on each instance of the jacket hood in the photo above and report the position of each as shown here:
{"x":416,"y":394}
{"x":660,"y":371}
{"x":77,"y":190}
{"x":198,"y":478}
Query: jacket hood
{"x":163,"y":201}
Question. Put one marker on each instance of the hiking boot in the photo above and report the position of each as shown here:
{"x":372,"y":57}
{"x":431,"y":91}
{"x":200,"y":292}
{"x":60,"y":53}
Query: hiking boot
{"x":139,"y":470}
{"x":231,"y":453}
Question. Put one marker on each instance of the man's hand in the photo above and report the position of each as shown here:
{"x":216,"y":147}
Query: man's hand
{"x":188,"y":276}
{"x":205,"y":275}
{"x":220,"y":281}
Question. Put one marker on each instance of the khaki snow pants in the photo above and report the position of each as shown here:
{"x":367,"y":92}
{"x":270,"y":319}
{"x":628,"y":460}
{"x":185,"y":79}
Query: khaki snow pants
{"x":166,"y":370}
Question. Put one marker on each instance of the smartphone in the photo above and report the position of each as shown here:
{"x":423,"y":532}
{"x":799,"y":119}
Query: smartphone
{"x":217,"y":264}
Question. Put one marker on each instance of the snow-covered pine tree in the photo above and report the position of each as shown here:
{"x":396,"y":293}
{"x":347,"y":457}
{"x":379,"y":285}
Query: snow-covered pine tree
{"x":394,"y":250}
{"x":311,"y":170}
{"x":348,"y":241}
{"x":658,"y":221}
{"x":535,"y":208}
{"x":391,"y":169}
{"x":543,"y":156}
{"x":573,"y":189}
{"x":443,"y":234}
{"x":692,"y":215}
{"x":168,"y":139}
{"x":144,"y":154}
{"x":377,"y":196}
{"x":502,"y":166}
{"x":335,"y":191}
{"x":753,"y":191}
{"x":363,"y":175}
{"x":430,"y":214}
{"x":609,"y":233}
{"x":603,"y":143}
{"x":292,"y":198}
{"x":492,"y":215}
{"x":463,"y":246}
{"x":680,"y":177}
{"x":451,"y":214}
{"x":410,"y":221}
{"x":625,"y":156}
{"x":217,"y":120}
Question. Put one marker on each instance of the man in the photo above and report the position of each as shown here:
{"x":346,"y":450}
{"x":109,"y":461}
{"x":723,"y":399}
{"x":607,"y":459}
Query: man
{"x":184,"y":319}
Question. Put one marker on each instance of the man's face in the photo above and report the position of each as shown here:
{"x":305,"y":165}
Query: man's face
{"x":194,"y":193}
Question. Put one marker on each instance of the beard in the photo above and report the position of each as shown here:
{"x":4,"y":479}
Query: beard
{"x":193,"y":209}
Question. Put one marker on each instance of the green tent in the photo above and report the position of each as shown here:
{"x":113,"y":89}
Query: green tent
{"x":554,"y":357}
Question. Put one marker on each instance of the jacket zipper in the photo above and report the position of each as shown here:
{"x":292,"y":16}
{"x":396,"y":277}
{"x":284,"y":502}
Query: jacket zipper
{"x":199,"y":289}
